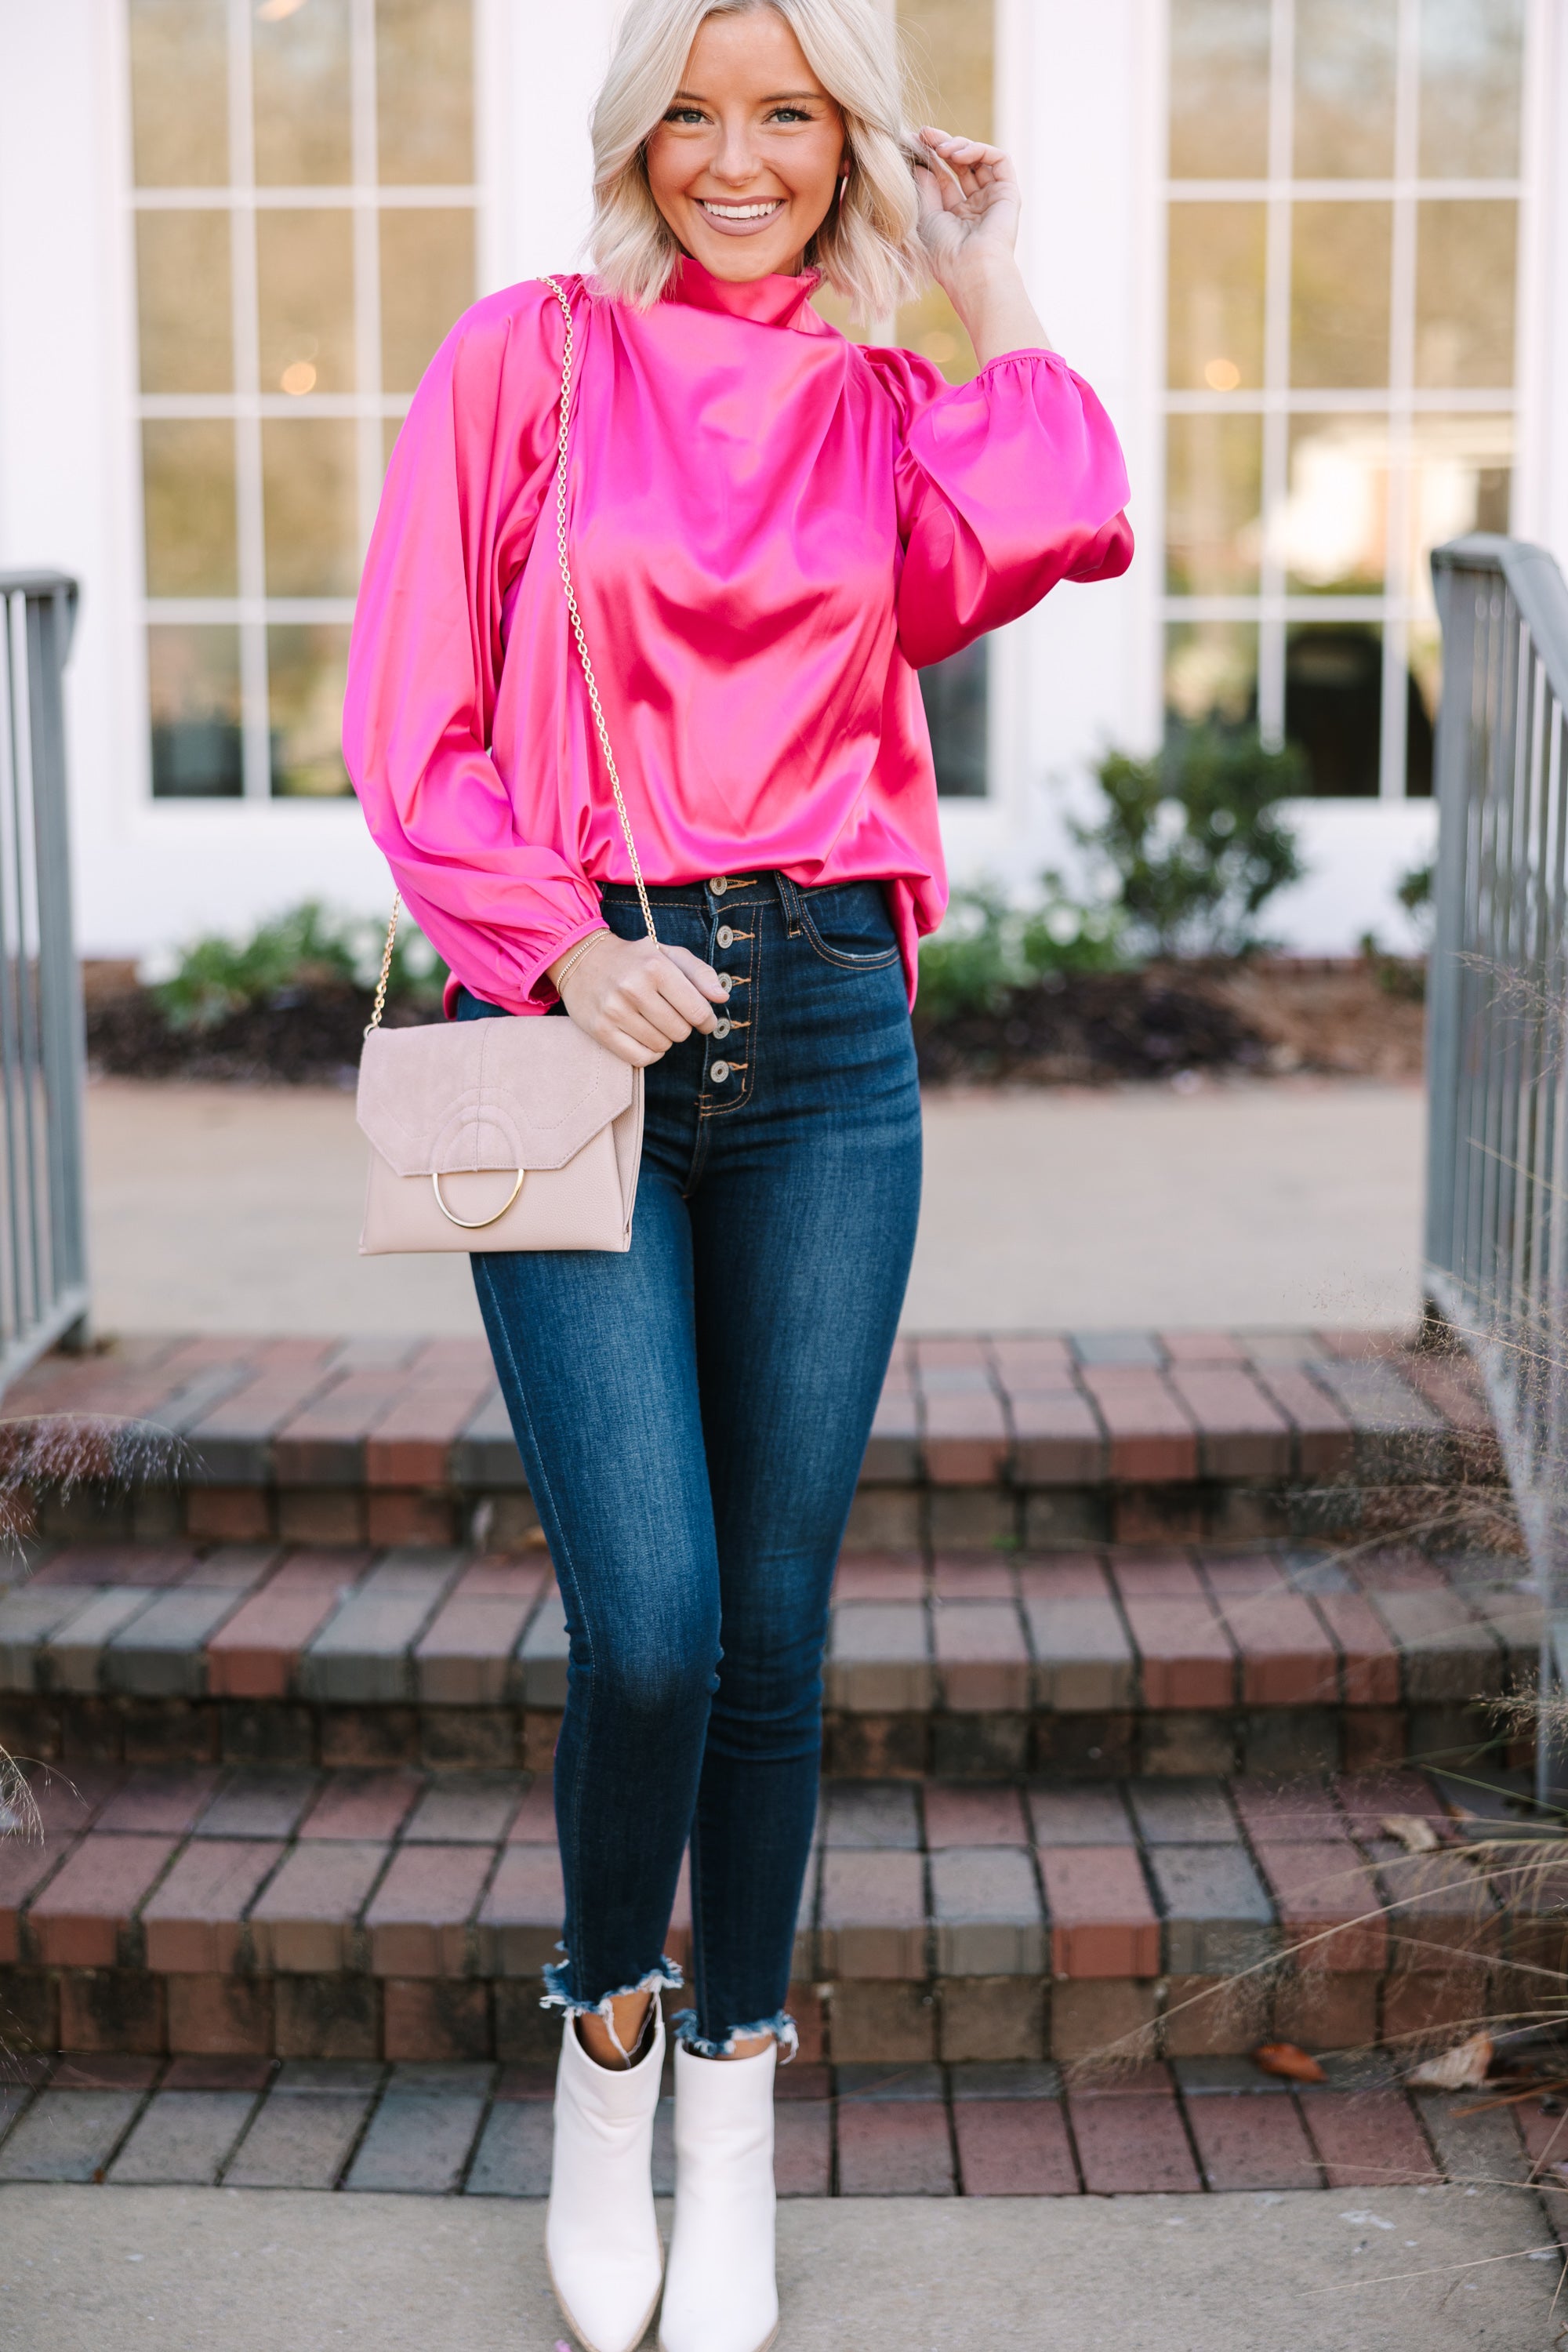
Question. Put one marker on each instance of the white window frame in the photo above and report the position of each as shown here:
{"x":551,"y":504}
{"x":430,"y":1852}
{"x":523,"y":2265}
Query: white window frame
{"x":1272,"y":608}
{"x":252,"y":609}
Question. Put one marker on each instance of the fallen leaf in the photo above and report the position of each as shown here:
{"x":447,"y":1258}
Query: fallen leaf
{"x":1285,"y":2058}
{"x":1414,"y":1833}
{"x":1463,"y":2068}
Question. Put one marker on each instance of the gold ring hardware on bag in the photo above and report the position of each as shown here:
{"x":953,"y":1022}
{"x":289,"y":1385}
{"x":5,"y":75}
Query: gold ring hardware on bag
{"x":477,"y":1224}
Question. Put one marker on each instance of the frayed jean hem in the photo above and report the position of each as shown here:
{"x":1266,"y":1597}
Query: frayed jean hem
{"x":780,"y":2025}
{"x":558,"y":1993}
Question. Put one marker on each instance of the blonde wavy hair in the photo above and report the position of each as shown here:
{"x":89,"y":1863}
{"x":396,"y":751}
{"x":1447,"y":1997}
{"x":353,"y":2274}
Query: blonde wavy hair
{"x":868,"y":249}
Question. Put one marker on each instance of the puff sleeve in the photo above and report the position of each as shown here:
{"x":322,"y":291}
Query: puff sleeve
{"x":1004,"y":486}
{"x":469,"y":478}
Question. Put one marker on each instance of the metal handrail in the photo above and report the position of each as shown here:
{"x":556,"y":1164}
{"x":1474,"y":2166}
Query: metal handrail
{"x":1497,"y":1226}
{"x":43,"y":1226}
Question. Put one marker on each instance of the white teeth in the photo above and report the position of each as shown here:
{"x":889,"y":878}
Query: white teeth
{"x":742,"y":212}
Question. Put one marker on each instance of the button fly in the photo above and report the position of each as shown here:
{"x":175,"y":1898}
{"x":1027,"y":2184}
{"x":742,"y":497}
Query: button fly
{"x":719,"y":1073}
{"x":725,"y":936}
{"x":721,"y":1028}
{"x":718,"y":885}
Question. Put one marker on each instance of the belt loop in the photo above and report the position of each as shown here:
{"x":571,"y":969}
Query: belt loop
{"x":789,"y":899}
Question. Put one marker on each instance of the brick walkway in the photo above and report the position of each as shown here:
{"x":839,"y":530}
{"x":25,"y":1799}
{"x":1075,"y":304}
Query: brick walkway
{"x":1129,"y":1683}
{"x":1126,"y":1436}
{"x":403,"y":1915}
{"x":1184,"y":1660}
{"x":1198,"y":2126}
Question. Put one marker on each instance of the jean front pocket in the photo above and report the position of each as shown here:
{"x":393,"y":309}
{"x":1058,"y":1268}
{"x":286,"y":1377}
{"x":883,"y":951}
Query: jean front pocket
{"x":848,"y":924}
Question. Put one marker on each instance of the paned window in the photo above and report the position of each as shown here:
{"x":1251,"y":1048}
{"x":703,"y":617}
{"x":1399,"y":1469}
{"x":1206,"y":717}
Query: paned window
{"x":304,"y":205}
{"x":1342,"y":266}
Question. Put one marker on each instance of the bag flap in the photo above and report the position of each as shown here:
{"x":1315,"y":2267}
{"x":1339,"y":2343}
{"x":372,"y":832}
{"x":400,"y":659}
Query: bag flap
{"x":466,"y":1095}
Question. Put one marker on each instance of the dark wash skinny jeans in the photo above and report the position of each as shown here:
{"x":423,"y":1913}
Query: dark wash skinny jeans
{"x":692,"y":1416}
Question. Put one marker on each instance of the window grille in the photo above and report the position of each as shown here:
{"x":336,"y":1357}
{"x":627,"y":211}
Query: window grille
{"x":1342,"y":212}
{"x":304,"y":207}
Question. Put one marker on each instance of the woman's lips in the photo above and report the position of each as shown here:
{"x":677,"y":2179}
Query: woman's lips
{"x":728,"y":225}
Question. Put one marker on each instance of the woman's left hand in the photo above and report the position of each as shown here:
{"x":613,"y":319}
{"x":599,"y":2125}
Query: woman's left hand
{"x":969,"y":213}
{"x":969,"y":221}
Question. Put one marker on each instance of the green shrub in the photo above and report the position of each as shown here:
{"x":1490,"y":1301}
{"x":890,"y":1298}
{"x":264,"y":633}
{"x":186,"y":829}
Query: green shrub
{"x":307,"y":949}
{"x":986,"y":946}
{"x":1403,"y":975}
{"x":1416,"y":893}
{"x":1193,"y":842}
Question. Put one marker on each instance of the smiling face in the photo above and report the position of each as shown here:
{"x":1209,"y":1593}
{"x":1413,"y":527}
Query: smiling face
{"x":745,"y":163}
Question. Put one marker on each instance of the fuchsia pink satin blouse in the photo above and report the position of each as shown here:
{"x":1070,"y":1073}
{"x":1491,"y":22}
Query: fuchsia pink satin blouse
{"x":771,"y":530}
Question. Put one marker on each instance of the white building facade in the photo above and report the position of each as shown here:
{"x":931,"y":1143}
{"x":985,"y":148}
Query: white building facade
{"x":1313,"y":254}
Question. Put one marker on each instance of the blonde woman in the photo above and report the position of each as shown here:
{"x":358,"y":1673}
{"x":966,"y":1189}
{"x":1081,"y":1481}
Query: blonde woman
{"x":771,"y":530}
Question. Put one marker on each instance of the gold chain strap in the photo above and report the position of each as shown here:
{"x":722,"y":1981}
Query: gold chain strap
{"x":576,"y":617}
{"x":380,"y":1005}
{"x":588,"y":677}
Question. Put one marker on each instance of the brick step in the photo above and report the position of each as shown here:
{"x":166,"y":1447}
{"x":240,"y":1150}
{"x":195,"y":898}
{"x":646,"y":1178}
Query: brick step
{"x":1087,"y":1438}
{"x":1175,"y":1660}
{"x":854,"y":2130}
{"x":396,"y":1916}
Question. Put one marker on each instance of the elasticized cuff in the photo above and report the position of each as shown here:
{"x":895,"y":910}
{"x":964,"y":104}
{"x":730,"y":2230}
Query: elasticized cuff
{"x":536,"y":987}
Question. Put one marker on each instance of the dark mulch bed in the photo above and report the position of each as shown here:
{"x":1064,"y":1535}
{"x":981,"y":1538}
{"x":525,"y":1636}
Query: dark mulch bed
{"x":1348,"y":1017}
{"x":303,"y":1037}
{"x":1090,"y":1028}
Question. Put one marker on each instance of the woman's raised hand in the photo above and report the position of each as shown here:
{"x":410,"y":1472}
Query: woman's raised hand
{"x":969,"y":212}
{"x":969,"y":224}
{"x":637,"y":997}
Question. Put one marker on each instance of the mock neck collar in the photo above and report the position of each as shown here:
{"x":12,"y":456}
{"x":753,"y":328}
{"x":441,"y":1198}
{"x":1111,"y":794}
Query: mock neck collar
{"x":768,"y":302}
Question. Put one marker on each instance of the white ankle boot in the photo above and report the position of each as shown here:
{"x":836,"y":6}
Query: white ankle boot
{"x":601,"y":2239}
{"x":720,"y":2292}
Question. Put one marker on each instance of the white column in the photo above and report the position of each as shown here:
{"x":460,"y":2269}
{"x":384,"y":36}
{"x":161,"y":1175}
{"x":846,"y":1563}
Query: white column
{"x":1083,"y":98}
{"x":1541,"y":505}
{"x":540,"y":71}
{"x":68,"y":447}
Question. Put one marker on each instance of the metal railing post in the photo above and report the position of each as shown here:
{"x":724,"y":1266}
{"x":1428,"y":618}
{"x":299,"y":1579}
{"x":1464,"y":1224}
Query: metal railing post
{"x":43,"y":1225}
{"x":1496,"y":1239}
{"x":1457,"y":617}
{"x":51,"y":625}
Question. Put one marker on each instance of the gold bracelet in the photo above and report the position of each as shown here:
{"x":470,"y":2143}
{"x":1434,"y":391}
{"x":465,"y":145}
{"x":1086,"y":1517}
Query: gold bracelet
{"x":581,"y":950}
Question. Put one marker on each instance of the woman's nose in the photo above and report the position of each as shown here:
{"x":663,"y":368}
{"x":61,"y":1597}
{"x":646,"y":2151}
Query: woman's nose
{"x":736,"y":162}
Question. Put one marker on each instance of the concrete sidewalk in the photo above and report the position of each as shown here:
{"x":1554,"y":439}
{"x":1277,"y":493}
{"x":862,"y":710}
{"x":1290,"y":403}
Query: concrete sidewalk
{"x":1288,"y":1203}
{"x":1357,"y":2270}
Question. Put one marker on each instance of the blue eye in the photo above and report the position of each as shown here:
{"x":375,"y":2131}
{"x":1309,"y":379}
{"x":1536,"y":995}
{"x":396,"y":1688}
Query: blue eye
{"x":790,"y":115}
{"x":684,"y":114}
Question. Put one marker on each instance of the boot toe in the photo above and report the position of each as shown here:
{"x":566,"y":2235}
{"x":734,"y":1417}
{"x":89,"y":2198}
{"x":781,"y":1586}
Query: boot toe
{"x":715,"y":2329}
{"x":607,"y":2307}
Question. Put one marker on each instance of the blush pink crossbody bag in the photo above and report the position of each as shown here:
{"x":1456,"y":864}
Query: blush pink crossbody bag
{"x":504,"y":1135}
